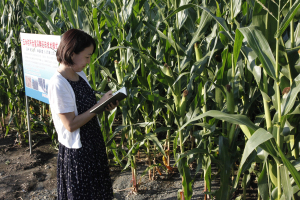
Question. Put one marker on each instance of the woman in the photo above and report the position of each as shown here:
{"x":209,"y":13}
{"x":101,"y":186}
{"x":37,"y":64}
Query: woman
{"x":82,"y":168}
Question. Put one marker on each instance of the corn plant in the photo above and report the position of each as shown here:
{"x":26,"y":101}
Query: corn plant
{"x":13,"y":104}
{"x":260,"y":46}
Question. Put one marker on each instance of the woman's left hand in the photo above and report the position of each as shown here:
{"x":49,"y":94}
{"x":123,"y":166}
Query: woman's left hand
{"x":112,"y":106}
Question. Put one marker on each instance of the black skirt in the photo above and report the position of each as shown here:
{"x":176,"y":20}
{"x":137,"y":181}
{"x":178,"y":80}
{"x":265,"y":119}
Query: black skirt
{"x":84,"y":173}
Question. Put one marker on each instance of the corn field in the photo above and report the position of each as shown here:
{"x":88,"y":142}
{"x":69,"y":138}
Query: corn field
{"x":210,"y":82}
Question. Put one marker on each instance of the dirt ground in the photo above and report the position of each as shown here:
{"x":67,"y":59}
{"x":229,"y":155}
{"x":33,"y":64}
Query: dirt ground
{"x":33,"y":176}
{"x":22,"y":172}
{"x":25,"y":176}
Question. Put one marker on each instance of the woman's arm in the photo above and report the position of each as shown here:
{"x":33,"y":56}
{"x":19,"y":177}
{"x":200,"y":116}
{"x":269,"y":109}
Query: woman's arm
{"x":72,"y":122}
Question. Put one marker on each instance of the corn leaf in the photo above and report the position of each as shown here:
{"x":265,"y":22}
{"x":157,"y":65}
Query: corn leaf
{"x":116,"y":154}
{"x":179,"y":9}
{"x":134,"y":146}
{"x":153,"y":138}
{"x":297,"y":35}
{"x":111,"y":117}
{"x":237,"y":4}
{"x":83,"y":20}
{"x":126,"y":11}
{"x":92,"y":71}
{"x":187,"y":180}
{"x":35,"y":24}
{"x":177,"y":46}
{"x":246,"y":131}
{"x":261,"y":47}
{"x":219,"y":20}
{"x":207,"y":173}
{"x":262,"y":183}
{"x":238,"y":41}
{"x":95,"y":21}
{"x":287,"y":19}
{"x":286,"y":61}
{"x":162,"y":129}
{"x":286,"y":183}
{"x":5,"y":71}
{"x":110,"y":49}
{"x":262,"y":15}
{"x":290,"y":167}
{"x":74,"y":4}
{"x":70,"y":13}
{"x":37,"y":10}
{"x":260,"y":136}
{"x":12,"y":57}
{"x":232,"y":118}
{"x":198,"y":67}
{"x":193,"y":152}
{"x":117,"y":130}
{"x":205,"y":20}
{"x":182,"y":15}
{"x":225,"y":172}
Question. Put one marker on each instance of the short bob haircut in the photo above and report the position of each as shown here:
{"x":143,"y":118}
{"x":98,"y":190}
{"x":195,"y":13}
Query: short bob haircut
{"x":73,"y":41}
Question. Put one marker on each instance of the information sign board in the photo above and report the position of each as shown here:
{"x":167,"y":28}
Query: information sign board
{"x":39,"y":63}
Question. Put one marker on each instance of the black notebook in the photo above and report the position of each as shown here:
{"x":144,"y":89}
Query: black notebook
{"x":118,"y":95}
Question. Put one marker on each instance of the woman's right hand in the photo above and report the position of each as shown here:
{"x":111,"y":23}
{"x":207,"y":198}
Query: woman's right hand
{"x":110,"y":106}
{"x":107,"y":95}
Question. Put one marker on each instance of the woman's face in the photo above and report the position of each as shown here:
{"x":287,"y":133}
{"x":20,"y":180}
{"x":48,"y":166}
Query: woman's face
{"x":82,"y":59}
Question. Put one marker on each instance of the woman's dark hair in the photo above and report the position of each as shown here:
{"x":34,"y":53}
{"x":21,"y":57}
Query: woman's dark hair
{"x":73,"y":41}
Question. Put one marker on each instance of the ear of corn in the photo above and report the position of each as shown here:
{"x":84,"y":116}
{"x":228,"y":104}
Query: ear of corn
{"x":231,"y":133}
{"x":103,"y":85}
{"x":183,"y":103}
{"x":198,"y":52}
{"x":167,"y":70}
{"x":230,"y":99}
{"x":219,"y":98}
{"x":118,"y":72}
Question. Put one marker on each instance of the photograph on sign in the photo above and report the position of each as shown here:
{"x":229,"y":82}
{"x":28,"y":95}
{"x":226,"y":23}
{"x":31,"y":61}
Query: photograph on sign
{"x":39,"y":63}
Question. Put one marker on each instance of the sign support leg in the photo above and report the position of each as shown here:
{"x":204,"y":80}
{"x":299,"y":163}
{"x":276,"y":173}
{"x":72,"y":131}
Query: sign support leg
{"x":28,"y":123}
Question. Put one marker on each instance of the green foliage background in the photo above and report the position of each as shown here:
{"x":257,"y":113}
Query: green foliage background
{"x":216,"y":78}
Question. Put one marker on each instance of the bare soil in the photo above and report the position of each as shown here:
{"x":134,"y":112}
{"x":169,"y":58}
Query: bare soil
{"x":33,"y":176}
{"x":22,"y":172}
{"x":25,"y":176}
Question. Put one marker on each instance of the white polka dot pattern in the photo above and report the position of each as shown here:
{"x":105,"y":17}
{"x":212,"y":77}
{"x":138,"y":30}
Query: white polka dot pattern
{"x":83,"y":174}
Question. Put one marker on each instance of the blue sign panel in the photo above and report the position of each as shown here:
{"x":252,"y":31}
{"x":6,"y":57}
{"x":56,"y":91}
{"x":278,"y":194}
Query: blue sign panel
{"x":39,"y":63}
